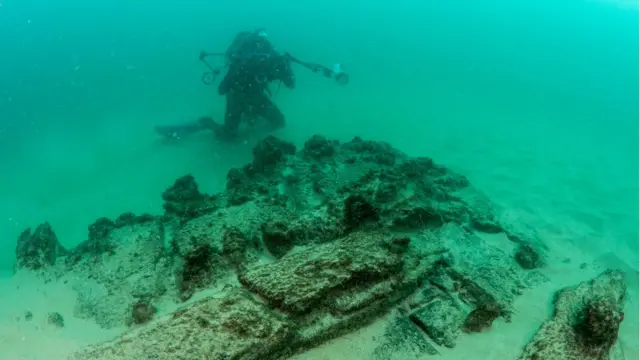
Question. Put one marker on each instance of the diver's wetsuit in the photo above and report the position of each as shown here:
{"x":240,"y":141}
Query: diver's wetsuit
{"x":253,"y":64}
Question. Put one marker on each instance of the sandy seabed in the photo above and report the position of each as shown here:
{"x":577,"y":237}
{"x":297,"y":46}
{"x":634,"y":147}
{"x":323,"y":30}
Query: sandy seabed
{"x":38,"y":340}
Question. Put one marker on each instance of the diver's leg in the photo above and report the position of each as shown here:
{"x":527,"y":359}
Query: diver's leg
{"x":268,"y":110}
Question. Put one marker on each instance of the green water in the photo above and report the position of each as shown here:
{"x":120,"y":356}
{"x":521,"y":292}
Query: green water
{"x":535,"y":101}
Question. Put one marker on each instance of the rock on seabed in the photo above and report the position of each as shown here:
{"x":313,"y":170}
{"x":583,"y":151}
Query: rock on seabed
{"x":585,"y":322}
{"x":318,"y":241}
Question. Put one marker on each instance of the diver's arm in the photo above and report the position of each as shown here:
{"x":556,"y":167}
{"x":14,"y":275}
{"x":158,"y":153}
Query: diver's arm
{"x":288,"y":77}
{"x":224,"y":85}
{"x":289,"y":81}
{"x":227,"y":81}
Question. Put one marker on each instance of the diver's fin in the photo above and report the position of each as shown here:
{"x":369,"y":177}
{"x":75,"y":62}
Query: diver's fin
{"x":210,"y":124}
{"x":177,"y":132}
{"x":206,"y":122}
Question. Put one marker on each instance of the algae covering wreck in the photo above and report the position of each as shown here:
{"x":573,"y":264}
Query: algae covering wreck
{"x":307,"y":245}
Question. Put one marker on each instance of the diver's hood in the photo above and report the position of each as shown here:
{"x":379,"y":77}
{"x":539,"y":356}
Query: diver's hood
{"x":247,"y":43}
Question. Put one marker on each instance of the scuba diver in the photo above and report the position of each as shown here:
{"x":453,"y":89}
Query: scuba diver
{"x":252,"y":64}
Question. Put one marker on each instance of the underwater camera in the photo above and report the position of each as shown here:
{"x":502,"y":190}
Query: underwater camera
{"x":336,"y":73}
{"x":210,"y":76}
